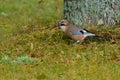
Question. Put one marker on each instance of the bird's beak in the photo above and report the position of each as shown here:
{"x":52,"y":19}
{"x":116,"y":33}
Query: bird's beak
{"x":59,"y":24}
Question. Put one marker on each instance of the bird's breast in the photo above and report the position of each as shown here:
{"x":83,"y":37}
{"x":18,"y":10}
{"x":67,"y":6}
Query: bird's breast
{"x":77,"y":37}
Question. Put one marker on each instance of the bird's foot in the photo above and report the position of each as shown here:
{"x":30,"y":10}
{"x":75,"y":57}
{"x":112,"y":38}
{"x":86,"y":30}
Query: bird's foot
{"x":76,"y":43}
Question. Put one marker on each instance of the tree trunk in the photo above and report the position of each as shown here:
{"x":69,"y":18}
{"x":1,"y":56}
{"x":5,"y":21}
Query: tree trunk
{"x":92,"y":12}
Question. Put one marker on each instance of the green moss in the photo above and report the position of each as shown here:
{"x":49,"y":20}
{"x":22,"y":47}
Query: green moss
{"x":29,"y":30}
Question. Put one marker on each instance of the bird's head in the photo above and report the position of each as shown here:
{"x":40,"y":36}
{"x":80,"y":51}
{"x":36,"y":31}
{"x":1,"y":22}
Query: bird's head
{"x":64,"y":24}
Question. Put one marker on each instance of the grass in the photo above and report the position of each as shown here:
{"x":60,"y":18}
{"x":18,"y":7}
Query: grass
{"x":28,"y":32}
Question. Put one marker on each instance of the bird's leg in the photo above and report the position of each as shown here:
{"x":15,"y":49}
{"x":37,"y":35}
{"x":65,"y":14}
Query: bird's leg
{"x":76,"y":43}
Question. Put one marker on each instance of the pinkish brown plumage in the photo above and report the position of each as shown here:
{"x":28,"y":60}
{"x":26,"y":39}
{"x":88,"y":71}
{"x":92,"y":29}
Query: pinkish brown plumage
{"x":73,"y":31}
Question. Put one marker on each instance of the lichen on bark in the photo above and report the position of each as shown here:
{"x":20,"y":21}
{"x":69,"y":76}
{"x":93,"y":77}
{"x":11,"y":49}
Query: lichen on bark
{"x":92,"y":12}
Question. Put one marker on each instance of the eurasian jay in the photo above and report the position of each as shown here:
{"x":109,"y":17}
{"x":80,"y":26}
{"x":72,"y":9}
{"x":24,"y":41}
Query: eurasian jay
{"x":74,"y":32}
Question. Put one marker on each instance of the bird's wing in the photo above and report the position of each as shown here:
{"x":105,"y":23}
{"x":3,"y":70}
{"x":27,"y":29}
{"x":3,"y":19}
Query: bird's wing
{"x":77,"y":31}
{"x":85,"y":33}
{"x":74,"y":30}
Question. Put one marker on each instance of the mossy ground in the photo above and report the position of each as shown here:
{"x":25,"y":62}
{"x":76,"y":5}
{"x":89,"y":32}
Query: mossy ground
{"x":28,"y":28}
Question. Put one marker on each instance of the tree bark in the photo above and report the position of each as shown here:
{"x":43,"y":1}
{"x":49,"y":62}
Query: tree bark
{"x":92,"y":12}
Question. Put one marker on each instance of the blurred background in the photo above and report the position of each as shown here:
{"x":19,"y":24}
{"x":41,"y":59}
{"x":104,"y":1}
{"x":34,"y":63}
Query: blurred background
{"x":21,"y":15}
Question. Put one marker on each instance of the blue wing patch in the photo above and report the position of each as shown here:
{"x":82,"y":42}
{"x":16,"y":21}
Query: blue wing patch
{"x":79,"y":32}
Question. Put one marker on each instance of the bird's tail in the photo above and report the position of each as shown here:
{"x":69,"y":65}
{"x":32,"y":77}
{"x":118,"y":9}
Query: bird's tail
{"x":102,"y":37}
{"x":97,"y":36}
{"x":90,"y":34}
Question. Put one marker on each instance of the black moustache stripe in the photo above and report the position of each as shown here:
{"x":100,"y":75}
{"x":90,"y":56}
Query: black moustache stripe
{"x":62,"y":24}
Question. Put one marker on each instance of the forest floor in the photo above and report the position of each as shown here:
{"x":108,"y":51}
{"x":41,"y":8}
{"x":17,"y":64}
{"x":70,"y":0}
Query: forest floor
{"x":32,"y":47}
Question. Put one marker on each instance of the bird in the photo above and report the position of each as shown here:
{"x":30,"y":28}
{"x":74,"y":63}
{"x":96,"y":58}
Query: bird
{"x":73,"y":31}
